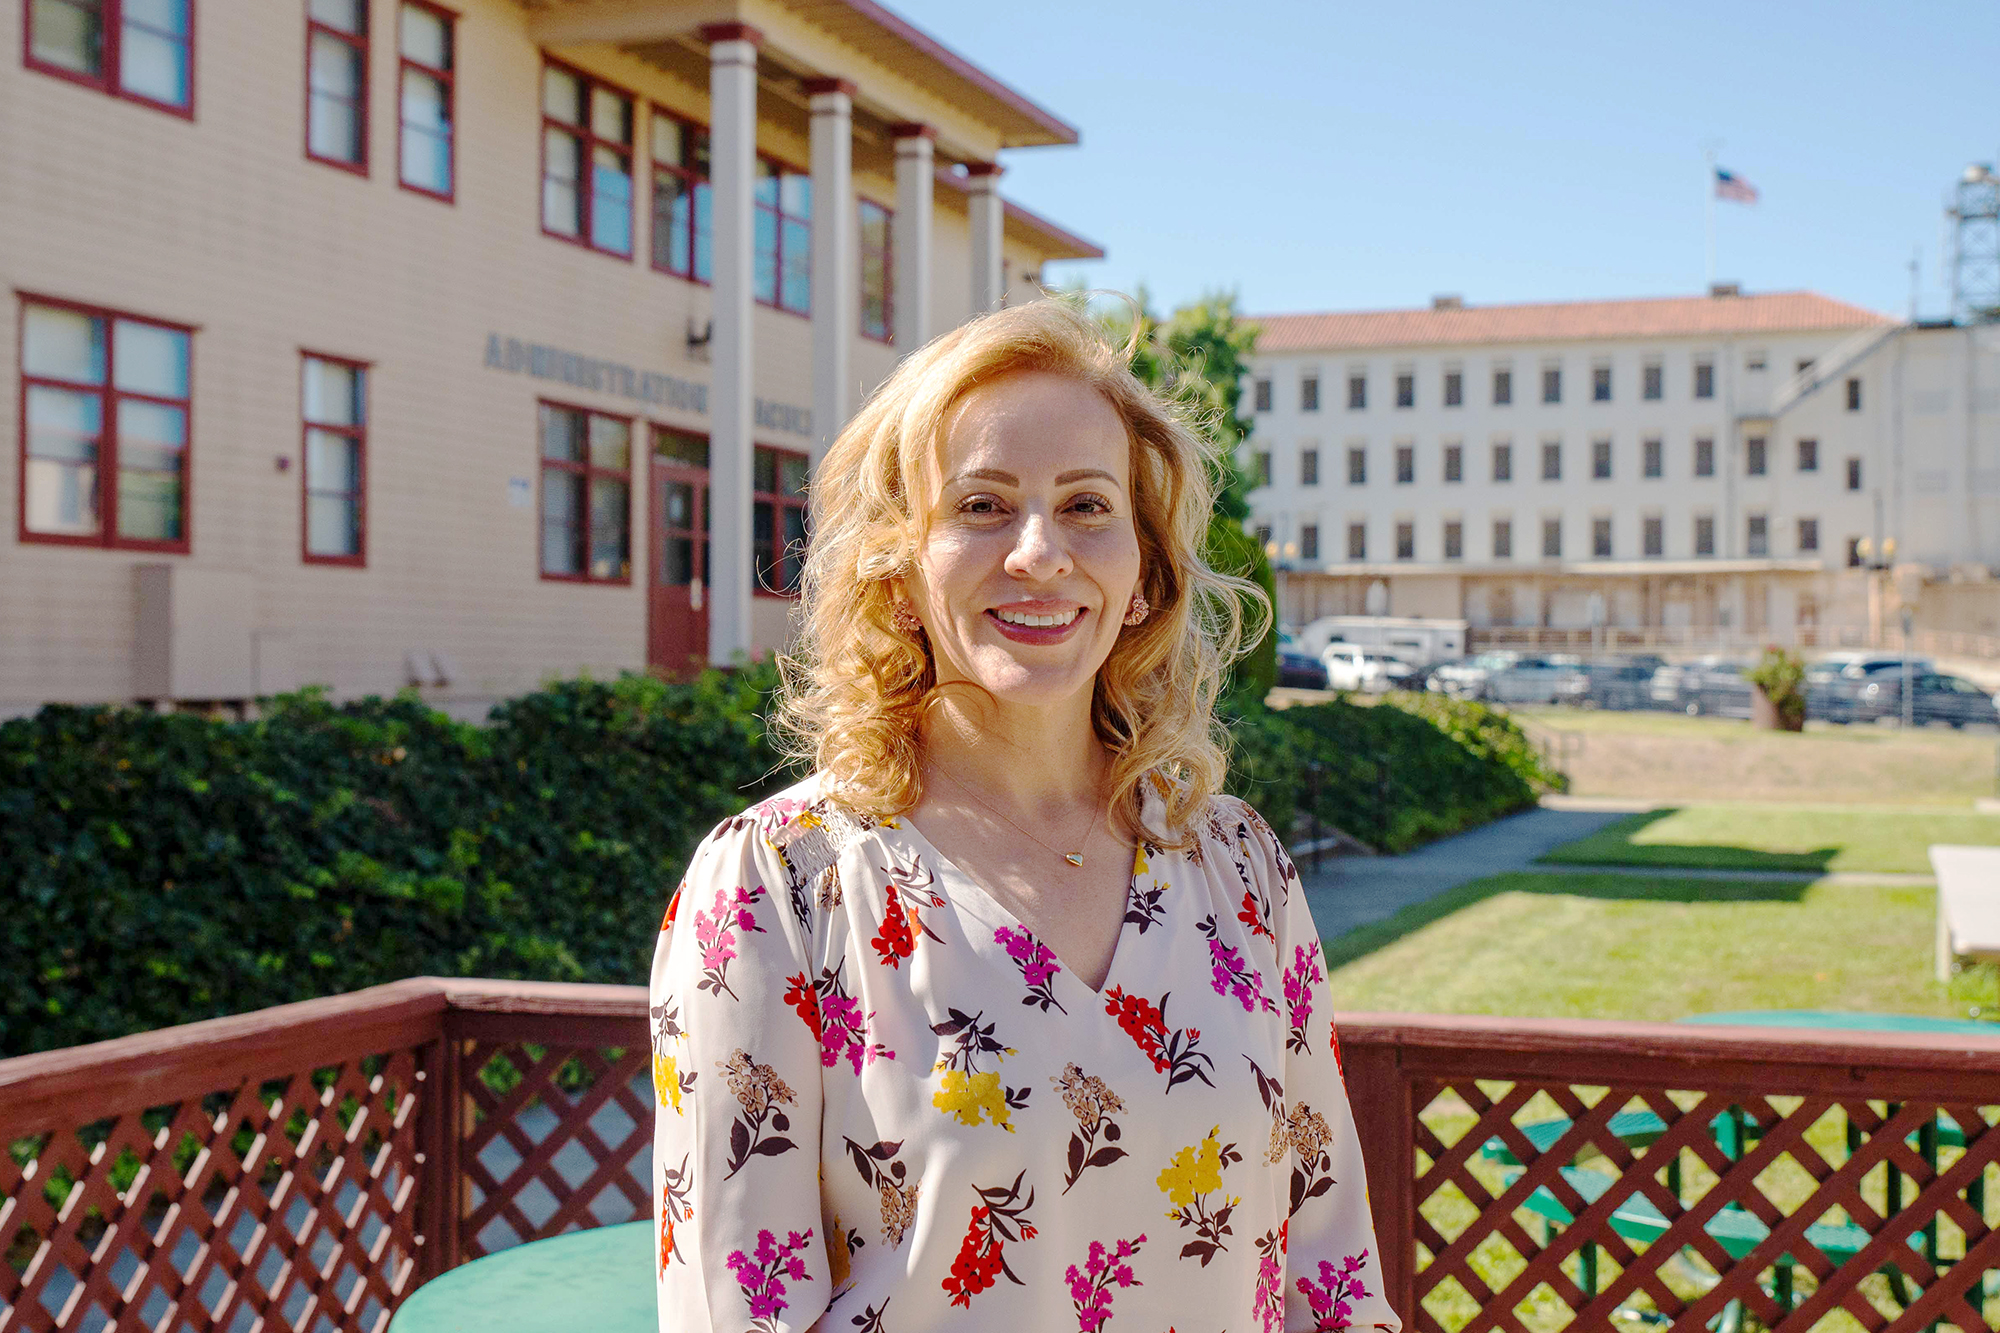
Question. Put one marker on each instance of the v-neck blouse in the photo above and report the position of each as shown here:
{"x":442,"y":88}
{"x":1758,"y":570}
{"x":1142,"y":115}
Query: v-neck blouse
{"x":884,"y":1105}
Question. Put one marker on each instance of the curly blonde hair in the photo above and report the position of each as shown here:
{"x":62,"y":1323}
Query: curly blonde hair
{"x":856,"y":689}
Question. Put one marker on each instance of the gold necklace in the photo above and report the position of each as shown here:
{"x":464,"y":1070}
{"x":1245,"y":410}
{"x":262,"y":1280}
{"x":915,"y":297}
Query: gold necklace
{"x":1075,"y":858}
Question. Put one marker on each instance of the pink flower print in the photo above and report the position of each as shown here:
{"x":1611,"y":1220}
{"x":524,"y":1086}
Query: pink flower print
{"x":1103,"y":1270}
{"x":1300,"y":978}
{"x":715,"y":935}
{"x":1037,"y":963}
{"x":1232,"y":976}
{"x":1269,"y":1302}
{"x":1331,"y":1299}
{"x":761,"y":1278}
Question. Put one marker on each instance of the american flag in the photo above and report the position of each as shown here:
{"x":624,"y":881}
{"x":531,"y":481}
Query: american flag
{"x":1730,"y":186}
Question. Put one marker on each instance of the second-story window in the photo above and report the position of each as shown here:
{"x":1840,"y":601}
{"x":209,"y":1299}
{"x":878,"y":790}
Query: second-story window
{"x":1406,"y":389}
{"x":1853,"y":474}
{"x":1406,"y":464}
{"x":1552,"y":384}
{"x":1753,"y":456}
{"x":1808,"y":455}
{"x":1758,"y":535}
{"x":1357,"y":467}
{"x":1309,"y":467}
{"x":1600,"y":460}
{"x":1454,"y":462}
{"x":1503,"y":462}
{"x":1260,"y":468}
{"x":782,"y":204}
{"x":1357,"y":392}
{"x":1454,"y":388}
{"x":1704,"y":457}
{"x":105,"y":449}
{"x":1260,"y":396}
{"x":337,"y":82}
{"x":878,"y":275}
{"x":1309,"y":541}
{"x":334,"y":404}
{"x":586,"y":160}
{"x":1854,"y":395}
{"x":1309,"y":394}
{"x":141,"y":49}
{"x":1503,"y":387}
{"x":1552,"y":461}
{"x":424,"y":101}
{"x":683,"y":243}
{"x":1652,"y":381}
{"x":1704,"y":379}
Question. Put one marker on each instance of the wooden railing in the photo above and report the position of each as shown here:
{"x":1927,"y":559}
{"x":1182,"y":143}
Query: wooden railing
{"x":310,"y":1165}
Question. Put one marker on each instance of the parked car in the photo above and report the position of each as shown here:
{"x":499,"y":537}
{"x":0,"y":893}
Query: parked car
{"x":1614,"y":682}
{"x":1675,"y":684}
{"x":1351,"y":668}
{"x":1467,"y":679}
{"x":1717,"y":688}
{"x":1299,"y":669}
{"x":1532,"y":680}
{"x":1835,"y":684}
{"x":1934,"y":697}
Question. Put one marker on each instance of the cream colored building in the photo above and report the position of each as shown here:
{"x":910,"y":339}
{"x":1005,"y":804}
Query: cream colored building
{"x":375,"y":342}
{"x":1688,"y":470}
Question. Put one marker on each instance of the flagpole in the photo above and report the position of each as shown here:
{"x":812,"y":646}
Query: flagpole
{"x":1708,"y":193}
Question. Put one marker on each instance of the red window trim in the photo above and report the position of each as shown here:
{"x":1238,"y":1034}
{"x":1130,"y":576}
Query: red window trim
{"x":365,"y":43}
{"x":542,"y":466}
{"x":113,"y":17}
{"x":588,"y":198}
{"x":449,"y":78}
{"x":359,"y":434}
{"x":783,"y":502}
{"x":777,"y":211}
{"x":655,"y":110}
{"x":888,"y":270}
{"x":107,"y":448}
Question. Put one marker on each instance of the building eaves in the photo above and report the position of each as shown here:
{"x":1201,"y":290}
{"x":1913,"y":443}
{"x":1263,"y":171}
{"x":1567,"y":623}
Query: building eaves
{"x":1056,"y":242}
{"x":1564,"y":321}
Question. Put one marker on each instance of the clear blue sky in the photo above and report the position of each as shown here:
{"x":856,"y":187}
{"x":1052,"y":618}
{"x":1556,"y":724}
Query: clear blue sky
{"x":1338,"y":155}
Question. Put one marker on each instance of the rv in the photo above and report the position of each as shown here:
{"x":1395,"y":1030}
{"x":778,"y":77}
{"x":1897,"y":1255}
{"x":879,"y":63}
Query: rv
{"x":1420,"y":642}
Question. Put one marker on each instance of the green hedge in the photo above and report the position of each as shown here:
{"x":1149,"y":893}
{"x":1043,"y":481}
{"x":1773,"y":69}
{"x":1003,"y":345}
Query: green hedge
{"x":167,"y":868}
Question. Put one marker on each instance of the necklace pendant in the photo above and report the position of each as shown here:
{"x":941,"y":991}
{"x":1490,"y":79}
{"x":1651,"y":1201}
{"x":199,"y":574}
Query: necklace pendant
{"x":1074,"y":858}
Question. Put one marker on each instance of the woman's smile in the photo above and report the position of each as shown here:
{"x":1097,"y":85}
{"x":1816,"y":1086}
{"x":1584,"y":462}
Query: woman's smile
{"x":1037,"y":622}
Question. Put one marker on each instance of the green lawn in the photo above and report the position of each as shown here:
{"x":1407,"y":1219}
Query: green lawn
{"x":1779,"y":837}
{"x":1644,"y":948}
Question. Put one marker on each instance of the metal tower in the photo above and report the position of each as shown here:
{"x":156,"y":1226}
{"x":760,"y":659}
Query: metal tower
{"x":1975,"y":246}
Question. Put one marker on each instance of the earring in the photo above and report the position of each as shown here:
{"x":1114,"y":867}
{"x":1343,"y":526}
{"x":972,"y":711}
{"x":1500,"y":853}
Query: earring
{"x":1136,"y":613}
{"x":905,"y":619}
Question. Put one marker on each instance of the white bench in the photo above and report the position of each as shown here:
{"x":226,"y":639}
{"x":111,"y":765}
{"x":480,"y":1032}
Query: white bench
{"x":1968,"y":914}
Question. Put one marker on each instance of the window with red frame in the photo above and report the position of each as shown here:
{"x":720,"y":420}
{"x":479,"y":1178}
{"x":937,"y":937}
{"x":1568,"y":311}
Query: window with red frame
{"x":778,"y":520}
{"x":337,"y":82}
{"x":782,"y":201}
{"x":878,"y":278}
{"x":104,"y":440}
{"x":424,"y":148}
{"x":586,"y":495}
{"x":683,"y":238}
{"x":586,"y":160}
{"x":141,"y":49}
{"x":334,"y":403}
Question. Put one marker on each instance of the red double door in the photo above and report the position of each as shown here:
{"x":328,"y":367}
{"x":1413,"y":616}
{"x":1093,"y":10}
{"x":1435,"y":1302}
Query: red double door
{"x":677,"y":578}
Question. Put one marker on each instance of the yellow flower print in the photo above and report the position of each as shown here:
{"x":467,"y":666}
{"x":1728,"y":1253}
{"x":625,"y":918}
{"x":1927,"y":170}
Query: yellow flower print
{"x":967,"y":1096}
{"x":667,"y":1080}
{"x":1196,"y":1170}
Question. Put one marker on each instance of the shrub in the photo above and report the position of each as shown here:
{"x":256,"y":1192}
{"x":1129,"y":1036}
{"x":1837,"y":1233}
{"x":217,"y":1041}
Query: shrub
{"x":1782,"y":677}
{"x":166,"y":868}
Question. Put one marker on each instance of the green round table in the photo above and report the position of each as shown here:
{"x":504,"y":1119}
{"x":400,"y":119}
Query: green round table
{"x":595,"y":1279}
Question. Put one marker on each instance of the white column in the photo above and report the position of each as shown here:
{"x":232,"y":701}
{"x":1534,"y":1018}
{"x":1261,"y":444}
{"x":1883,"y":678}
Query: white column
{"x":732,"y":88}
{"x":835,"y":261}
{"x":989,"y":219}
{"x":912,"y":238}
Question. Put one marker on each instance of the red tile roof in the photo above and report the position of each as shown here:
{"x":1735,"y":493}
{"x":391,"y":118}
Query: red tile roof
{"x":1565,"y":321}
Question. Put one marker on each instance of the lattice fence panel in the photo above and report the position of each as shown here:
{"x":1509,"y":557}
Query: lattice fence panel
{"x":1548,"y":1206}
{"x":283,"y":1204}
{"x":557,"y":1138}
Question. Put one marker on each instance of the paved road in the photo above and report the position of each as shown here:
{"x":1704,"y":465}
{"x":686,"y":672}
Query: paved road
{"x":1352,"y":891}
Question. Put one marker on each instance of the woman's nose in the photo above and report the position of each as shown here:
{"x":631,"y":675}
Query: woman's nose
{"x":1039,"y":553}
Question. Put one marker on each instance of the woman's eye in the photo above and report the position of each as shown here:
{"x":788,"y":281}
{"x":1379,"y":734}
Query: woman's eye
{"x":1090,"y":505}
{"x":979,"y":504}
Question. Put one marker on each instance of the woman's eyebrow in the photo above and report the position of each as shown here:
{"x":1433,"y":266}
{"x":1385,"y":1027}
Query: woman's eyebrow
{"x":1009,"y":479}
{"x":1078,"y":474}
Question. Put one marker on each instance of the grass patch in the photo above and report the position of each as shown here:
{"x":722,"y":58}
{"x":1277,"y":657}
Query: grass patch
{"x":1779,"y":837}
{"x":1641,"y":948}
{"x":1669,"y":757}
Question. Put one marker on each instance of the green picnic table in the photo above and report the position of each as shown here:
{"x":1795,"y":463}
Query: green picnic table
{"x":1736,"y":1230}
{"x":595,"y":1279}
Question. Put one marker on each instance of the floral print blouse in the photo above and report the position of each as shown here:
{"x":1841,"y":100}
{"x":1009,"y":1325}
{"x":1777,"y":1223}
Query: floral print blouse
{"x":886,"y":1107}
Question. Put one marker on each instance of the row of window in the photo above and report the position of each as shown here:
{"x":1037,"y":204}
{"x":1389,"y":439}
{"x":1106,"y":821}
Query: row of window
{"x":1652,"y":461}
{"x":591,"y":135}
{"x":105,"y":456}
{"x":1652,"y":387}
{"x":1652,"y":538}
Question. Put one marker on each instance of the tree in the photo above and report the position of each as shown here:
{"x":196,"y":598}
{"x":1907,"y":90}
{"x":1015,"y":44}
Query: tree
{"x":1197,"y":357}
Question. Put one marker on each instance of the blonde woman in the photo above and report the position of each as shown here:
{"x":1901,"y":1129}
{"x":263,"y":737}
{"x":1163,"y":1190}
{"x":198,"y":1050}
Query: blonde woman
{"x":1005,"y":1018}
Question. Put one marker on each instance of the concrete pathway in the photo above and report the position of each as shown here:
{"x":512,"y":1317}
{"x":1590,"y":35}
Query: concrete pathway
{"x":1351,"y":891}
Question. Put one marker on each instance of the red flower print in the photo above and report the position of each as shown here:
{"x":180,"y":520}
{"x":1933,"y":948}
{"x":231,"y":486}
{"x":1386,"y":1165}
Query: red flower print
{"x":1142,"y":1021}
{"x":673,"y":906}
{"x":999,"y":1219}
{"x":804,"y":998}
{"x":895,"y":941}
{"x":1256,"y":914}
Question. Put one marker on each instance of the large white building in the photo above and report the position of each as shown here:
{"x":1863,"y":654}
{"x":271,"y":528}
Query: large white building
{"x":1686,"y":469}
{"x":375,"y":343}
